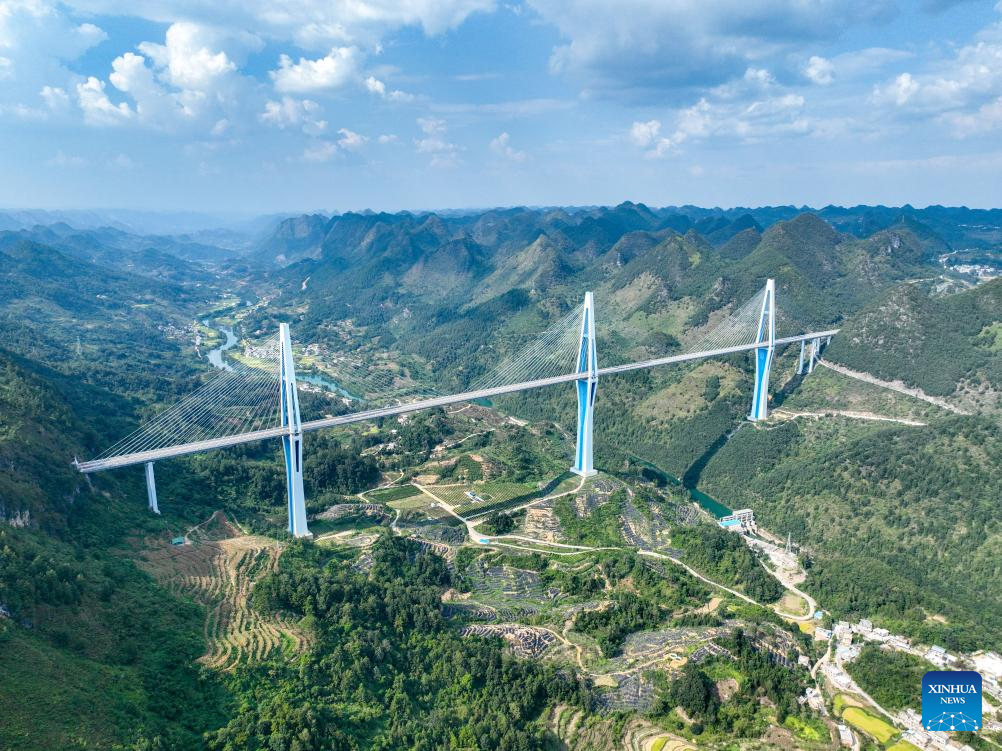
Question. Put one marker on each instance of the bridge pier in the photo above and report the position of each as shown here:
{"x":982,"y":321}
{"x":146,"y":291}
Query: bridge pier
{"x":586,"y":388}
{"x":815,"y":351}
{"x":151,"y":488}
{"x":800,"y":365}
{"x":763,"y":355}
{"x":292,"y":441}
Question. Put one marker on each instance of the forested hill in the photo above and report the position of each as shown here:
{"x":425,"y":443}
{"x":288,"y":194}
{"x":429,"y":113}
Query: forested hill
{"x":946,"y":344}
{"x":413,"y":277}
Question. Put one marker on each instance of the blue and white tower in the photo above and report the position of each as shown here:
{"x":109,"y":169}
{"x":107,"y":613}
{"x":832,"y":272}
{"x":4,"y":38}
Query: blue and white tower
{"x":586,"y":386}
{"x":292,"y":442}
{"x":763,"y":355}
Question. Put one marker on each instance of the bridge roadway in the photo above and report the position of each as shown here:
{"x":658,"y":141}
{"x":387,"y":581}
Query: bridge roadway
{"x":114,"y":462}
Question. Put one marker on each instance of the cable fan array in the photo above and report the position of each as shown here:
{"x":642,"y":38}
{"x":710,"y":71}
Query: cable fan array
{"x":237,"y":400}
{"x":552,"y":353}
{"x":370,"y":383}
{"x":738,"y":328}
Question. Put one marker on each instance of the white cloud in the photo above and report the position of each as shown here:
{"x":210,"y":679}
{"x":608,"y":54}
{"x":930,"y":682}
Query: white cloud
{"x":97,"y":108}
{"x":377,"y":87}
{"x":960,"y":91}
{"x":187,"y":58}
{"x":311,"y":24}
{"x":985,"y":119}
{"x":153,"y":103}
{"x":330,"y":72}
{"x":351,"y":141}
{"x":432,"y":126}
{"x":634,"y":47}
{"x":56,"y":98}
{"x":820,"y":70}
{"x":321,"y":151}
{"x":442,"y":152}
{"x":503,"y":148}
{"x":899,"y":91}
{"x":290,"y":112}
{"x":386,"y":138}
{"x":762,"y":110}
{"x":37,"y":39}
{"x":644,"y":134}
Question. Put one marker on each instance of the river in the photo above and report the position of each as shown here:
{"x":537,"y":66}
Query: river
{"x":216,"y":355}
{"x":709,"y":503}
{"x":216,"y":359}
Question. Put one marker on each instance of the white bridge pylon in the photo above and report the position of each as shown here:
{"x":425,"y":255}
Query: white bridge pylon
{"x":766,"y":335}
{"x":587,"y":385}
{"x":247,"y":404}
{"x":292,"y":442}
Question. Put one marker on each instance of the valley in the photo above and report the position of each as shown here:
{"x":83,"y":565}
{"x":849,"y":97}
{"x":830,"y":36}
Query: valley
{"x":462,"y":587}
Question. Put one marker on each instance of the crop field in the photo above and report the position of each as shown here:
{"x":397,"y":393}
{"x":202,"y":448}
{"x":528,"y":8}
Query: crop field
{"x":499,"y":496}
{"x":492,"y":492}
{"x":393,"y":493}
{"x":220,"y":575}
{"x":869,"y":724}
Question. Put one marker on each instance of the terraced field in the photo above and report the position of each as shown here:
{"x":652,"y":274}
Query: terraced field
{"x":220,"y":574}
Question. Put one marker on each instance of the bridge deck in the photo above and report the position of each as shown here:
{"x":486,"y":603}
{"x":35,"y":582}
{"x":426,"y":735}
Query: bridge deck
{"x":114,"y":462}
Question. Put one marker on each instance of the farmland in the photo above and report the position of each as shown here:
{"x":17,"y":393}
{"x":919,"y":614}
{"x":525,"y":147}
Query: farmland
{"x":218,"y":569}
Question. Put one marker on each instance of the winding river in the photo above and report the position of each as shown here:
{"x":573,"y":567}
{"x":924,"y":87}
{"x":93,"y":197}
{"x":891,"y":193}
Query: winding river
{"x":216,"y":355}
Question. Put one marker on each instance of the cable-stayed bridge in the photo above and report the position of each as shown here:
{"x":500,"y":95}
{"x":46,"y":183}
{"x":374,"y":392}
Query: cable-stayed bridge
{"x":257,"y":398}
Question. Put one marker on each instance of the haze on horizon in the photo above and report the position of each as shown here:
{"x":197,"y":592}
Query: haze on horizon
{"x":230,"y":107}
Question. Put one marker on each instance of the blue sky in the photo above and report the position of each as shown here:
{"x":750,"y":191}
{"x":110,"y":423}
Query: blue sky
{"x":261,"y":106}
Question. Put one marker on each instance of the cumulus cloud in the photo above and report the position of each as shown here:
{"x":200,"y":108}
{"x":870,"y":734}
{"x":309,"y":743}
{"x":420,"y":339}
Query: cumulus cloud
{"x":960,"y":91}
{"x":386,"y":138}
{"x":289,"y":112}
{"x":37,"y":39}
{"x":503,"y":148}
{"x":377,"y":87}
{"x":332,"y":71}
{"x":97,"y":108}
{"x":644,"y":134}
{"x":187,"y":58}
{"x":351,"y":141}
{"x":819,"y":70}
{"x":188,"y":81}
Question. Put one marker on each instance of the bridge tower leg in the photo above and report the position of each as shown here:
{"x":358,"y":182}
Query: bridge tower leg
{"x":814,"y":355}
{"x":763,"y":355}
{"x":292,"y":442}
{"x":586,"y":387}
{"x":151,"y":488}
{"x":800,"y":366}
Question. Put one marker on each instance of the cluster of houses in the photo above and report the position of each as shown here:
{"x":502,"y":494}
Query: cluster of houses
{"x":925,"y":739}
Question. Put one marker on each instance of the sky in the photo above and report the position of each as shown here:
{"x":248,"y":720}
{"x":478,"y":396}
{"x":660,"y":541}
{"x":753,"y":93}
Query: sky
{"x":263,"y":106}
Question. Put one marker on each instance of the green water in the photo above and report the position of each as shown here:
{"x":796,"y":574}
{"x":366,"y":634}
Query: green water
{"x":707,"y":502}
